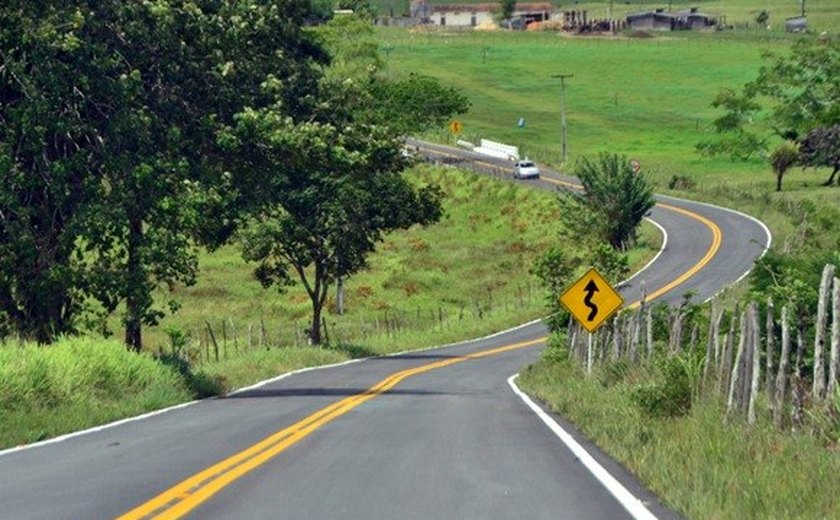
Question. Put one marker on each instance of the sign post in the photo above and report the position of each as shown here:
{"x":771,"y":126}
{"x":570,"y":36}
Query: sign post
{"x":592,"y":301}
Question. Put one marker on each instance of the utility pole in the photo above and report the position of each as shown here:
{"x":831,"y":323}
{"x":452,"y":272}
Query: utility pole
{"x":563,"y":107}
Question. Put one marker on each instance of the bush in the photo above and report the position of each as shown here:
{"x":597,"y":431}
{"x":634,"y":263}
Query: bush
{"x":557,"y":350}
{"x":671,"y":393}
{"x":613,"y":373}
{"x":74,"y":370}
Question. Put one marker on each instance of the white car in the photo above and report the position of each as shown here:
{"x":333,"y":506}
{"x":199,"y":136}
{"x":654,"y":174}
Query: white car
{"x":526,"y":169}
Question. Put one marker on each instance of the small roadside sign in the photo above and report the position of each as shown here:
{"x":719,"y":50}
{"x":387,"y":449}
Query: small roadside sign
{"x":455,"y":127}
{"x":637,"y":167}
{"x":592,"y":300}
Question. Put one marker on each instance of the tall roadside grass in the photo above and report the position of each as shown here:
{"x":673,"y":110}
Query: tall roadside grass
{"x":698,"y":463}
{"x":81,"y":382}
{"x":77,"y":383}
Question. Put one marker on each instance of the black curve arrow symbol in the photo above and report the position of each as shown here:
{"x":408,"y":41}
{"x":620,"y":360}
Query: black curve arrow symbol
{"x":590,"y":289}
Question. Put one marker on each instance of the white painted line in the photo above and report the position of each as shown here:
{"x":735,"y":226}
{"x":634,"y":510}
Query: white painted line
{"x":628,"y":501}
{"x":656,"y":257}
{"x":80,"y":433}
{"x":744,"y":215}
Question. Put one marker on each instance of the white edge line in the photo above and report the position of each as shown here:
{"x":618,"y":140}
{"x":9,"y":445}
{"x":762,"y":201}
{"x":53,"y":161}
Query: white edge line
{"x":742,"y":214}
{"x":72,"y":435}
{"x":656,"y":257}
{"x":127,"y":420}
{"x":628,"y":501}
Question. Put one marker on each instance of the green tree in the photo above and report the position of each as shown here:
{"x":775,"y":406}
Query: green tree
{"x":799,"y":90}
{"x":506,"y":9}
{"x":360,"y":8}
{"x":111,"y":113}
{"x":612,"y":204}
{"x":555,"y":268}
{"x":821,"y":147}
{"x":342,"y":192}
{"x":736,"y":132}
{"x":785,"y":155}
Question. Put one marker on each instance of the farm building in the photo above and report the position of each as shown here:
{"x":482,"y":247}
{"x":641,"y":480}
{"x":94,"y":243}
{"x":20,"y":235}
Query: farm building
{"x":796,"y":24}
{"x":471,"y":15}
{"x":659,"y":19}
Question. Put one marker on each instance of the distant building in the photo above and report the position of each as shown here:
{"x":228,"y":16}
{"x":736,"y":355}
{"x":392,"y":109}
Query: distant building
{"x":471,"y":15}
{"x":796,"y":24}
{"x":659,"y":19}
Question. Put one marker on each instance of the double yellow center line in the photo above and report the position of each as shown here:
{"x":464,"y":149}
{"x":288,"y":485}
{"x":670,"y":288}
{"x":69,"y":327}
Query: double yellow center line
{"x":184,"y":497}
{"x":192,"y":492}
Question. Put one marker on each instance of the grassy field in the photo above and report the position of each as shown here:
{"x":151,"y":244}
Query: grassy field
{"x":647,"y":98}
{"x":463,"y":277}
{"x":650,"y":99}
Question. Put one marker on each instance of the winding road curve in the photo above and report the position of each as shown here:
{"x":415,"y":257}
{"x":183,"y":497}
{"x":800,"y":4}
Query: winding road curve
{"x":431,"y":434}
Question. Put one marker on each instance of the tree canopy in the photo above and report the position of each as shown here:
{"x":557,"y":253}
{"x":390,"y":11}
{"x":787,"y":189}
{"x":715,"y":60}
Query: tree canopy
{"x":342,"y":188}
{"x":110,"y":118}
{"x":612,"y":204}
{"x":799,"y":92}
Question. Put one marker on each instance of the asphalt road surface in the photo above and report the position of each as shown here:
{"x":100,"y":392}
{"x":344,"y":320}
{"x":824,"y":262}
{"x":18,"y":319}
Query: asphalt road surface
{"x":427,"y":435}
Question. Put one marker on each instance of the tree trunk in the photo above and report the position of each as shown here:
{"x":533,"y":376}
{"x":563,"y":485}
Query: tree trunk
{"x":318,"y":295}
{"x":315,"y":324}
{"x":779,"y":176}
{"x":339,"y":296}
{"x":819,"y":335}
{"x":136,"y":281}
{"x":831,"y":179}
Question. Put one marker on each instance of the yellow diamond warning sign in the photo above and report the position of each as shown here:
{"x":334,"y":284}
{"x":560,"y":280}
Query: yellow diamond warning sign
{"x":591,"y":300}
{"x":455,"y":127}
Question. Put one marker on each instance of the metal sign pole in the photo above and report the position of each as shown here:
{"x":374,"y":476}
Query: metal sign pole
{"x":589,"y":353}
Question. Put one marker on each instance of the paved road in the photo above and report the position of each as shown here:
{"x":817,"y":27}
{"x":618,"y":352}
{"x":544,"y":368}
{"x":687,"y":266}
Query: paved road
{"x":448,"y":440}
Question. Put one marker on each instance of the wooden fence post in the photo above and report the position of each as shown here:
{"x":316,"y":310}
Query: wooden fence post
{"x":770,"y":333}
{"x":756,"y":361}
{"x":781,"y":377}
{"x":796,"y":382}
{"x":819,"y":335}
{"x":710,"y":341}
{"x":616,"y":339}
{"x":728,"y":348}
{"x":734,"y":380}
{"x":835,"y":339}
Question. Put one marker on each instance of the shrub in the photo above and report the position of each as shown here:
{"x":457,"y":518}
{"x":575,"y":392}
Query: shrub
{"x":671,"y":392}
{"x":77,"y":369}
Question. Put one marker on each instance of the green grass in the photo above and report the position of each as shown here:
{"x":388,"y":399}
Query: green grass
{"x":77,"y":383}
{"x":646,"y":98}
{"x":697,"y":464}
{"x":466,"y":276}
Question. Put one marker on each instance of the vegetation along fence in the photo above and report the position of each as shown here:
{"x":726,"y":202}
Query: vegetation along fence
{"x":786,"y":359}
